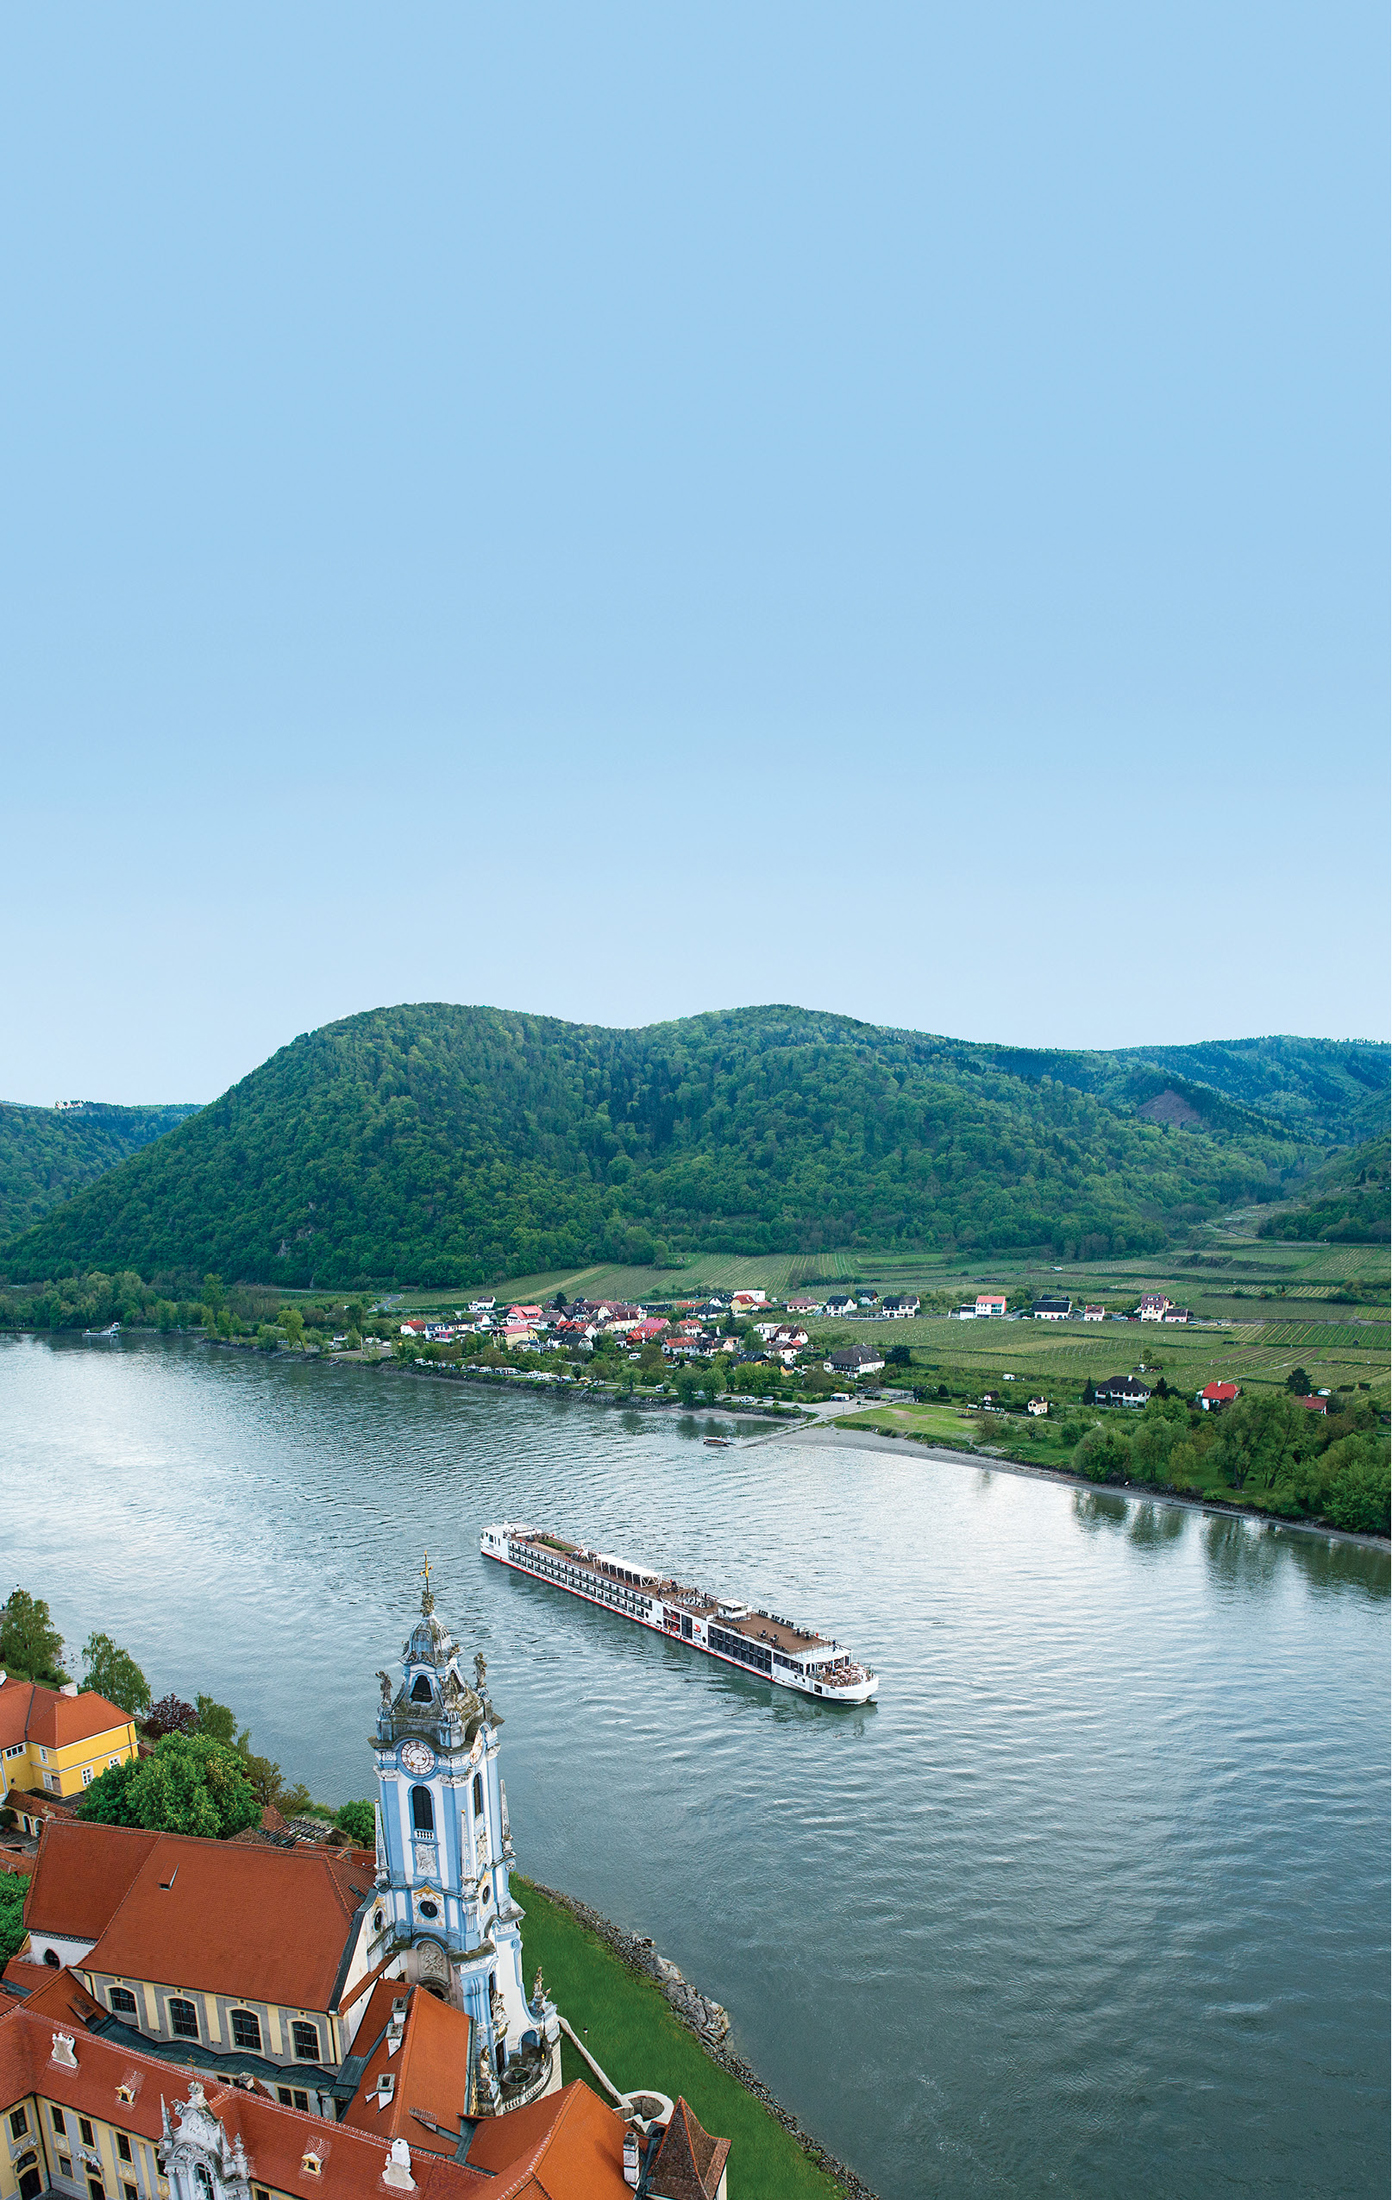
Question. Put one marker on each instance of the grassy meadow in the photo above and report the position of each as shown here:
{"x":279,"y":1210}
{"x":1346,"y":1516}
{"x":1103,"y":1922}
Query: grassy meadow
{"x":628,"y":2026}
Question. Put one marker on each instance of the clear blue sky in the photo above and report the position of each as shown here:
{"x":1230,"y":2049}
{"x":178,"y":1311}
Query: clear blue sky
{"x":624,"y":510}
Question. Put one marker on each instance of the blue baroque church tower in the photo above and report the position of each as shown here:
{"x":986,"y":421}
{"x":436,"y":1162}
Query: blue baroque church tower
{"x":444,"y":1846}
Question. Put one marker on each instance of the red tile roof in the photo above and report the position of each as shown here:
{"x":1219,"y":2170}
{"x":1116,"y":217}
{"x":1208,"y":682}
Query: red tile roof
{"x":430,"y":2065}
{"x":82,"y":1875}
{"x":270,"y":1924}
{"x":689,"y":2162}
{"x":566,"y":2147}
{"x":46,"y":1715}
{"x":1220,"y":1394}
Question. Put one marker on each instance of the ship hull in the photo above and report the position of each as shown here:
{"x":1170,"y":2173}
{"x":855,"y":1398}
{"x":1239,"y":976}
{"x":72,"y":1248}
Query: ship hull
{"x":662,"y":1615}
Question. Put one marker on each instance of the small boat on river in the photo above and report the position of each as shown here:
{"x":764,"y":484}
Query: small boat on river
{"x":113,"y":1331}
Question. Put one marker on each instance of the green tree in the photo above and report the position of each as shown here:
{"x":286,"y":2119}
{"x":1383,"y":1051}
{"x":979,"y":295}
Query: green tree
{"x":13,"y":1888}
{"x":30,"y":1645}
{"x":189,"y":1784}
{"x":1104,"y":1455}
{"x":213,"y":1293}
{"x":217,"y":1722}
{"x":688,"y":1384}
{"x":113,"y":1673}
{"x":1298,"y":1383}
{"x":1261,"y":1439}
{"x":359,"y":1822}
{"x":1360,"y":1481}
{"x":292,"y":1322}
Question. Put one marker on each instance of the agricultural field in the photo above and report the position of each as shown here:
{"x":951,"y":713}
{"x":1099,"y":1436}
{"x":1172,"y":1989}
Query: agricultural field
{"x":1262,"y":1308}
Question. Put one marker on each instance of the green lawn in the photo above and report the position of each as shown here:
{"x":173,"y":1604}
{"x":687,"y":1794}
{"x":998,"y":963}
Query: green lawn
{"x":1035,"y":1442}
{"x":630,"y":2030}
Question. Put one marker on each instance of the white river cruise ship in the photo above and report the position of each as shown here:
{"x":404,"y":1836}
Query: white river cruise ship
{"x":757,"y":1642}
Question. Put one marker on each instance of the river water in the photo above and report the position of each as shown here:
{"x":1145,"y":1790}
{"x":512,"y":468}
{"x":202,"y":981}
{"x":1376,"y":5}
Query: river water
{"x":1094,"y":1900}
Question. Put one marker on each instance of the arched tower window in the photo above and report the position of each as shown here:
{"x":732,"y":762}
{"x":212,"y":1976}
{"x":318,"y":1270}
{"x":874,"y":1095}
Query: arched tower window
{"x":422,"y":1810}
{"x":203,"y":2179}
{"x":421,"y":1690}
{"x":478,"y":1794}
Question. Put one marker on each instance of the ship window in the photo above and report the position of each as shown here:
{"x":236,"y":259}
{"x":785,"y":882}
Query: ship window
{"x":478,"y":1791}
{"x":420,"y":1692}
{"x":422,"y":1810}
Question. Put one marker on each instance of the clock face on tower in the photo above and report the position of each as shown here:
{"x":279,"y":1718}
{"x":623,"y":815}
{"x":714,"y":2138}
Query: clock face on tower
{"x":415,"y":1757}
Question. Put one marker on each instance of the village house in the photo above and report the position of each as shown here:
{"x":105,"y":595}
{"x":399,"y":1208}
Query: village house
{"x":1038,"y":1407}
{"x":1178,"y":1314}
{"x":1052,"y":1310}
{"x":1315,"y":1404}
{"x":746,"y":1302}
{"x":990,"y":1305}
{"x":58,"y":1740}
{"x":1214,"y":1395}
{"x":839,"y":1303}
{"x":1094,"y":1313}
{"x":647,"y":1332}
{"x":805,"y":1306}
{"x":1153,"y":1307}
{"x":857,"y":1360}
{"x":902,"y":1308}
{"x":1122,"y":1390}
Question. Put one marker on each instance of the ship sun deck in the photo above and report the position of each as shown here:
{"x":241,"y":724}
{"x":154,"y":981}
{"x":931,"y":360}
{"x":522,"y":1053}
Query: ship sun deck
{"x":724,"y":1626}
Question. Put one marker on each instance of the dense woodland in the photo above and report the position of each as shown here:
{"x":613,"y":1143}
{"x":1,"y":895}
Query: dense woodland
{"x":47,"y":1154}
{"x":443,"y":1144}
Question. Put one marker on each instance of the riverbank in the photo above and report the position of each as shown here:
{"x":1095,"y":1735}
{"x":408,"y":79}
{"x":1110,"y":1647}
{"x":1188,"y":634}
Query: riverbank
{"x":647,"y":2027}
{"x":826,"y":1433}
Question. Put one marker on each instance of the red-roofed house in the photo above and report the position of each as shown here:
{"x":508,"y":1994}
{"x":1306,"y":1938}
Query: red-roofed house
{"x":56,"y":1740}
{"x":1214,"y":1395}
{"x":1314,"y":1405}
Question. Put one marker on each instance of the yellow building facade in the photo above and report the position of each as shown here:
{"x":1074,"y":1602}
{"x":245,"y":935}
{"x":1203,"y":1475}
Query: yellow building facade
{"x":56,"y":1741}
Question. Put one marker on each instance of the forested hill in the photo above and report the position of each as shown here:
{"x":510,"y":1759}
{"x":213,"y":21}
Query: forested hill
{"x":47,"y":1154}
{"x":436,"y":1144}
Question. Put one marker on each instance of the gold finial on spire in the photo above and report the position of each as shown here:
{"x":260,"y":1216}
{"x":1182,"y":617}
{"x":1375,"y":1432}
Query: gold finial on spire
{"x":427,"y":1600}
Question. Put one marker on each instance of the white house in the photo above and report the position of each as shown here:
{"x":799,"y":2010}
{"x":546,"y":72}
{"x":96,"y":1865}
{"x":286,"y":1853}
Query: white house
{"x":1052,"y":1310}
{"x":990,"y":1305}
